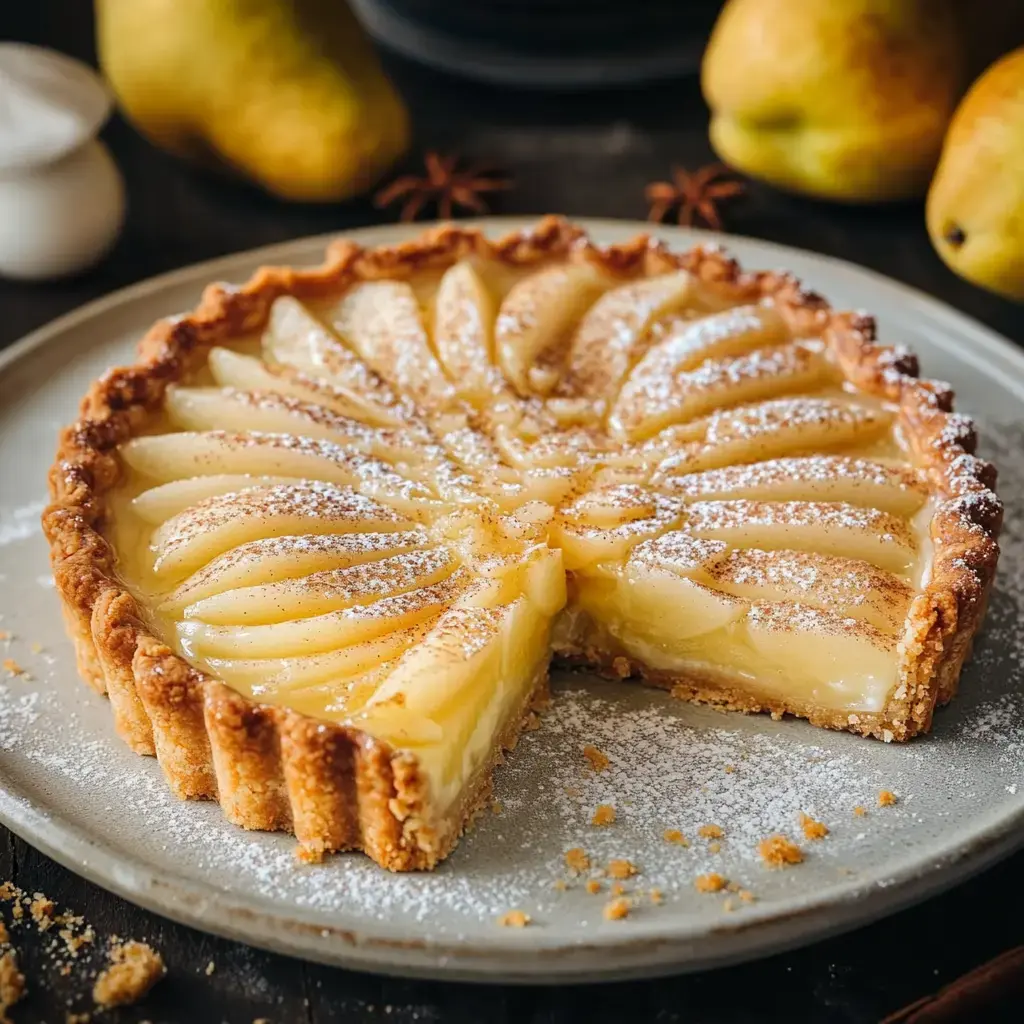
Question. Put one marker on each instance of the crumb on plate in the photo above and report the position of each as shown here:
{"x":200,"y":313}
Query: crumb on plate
{"x":779,"y":852}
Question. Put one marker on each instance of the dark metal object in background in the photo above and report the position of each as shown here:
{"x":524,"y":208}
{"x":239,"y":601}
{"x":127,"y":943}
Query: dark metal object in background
{"x":576,"y":44}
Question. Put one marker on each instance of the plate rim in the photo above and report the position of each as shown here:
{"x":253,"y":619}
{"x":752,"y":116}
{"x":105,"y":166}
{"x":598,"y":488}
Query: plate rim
{"x":507,"y":959}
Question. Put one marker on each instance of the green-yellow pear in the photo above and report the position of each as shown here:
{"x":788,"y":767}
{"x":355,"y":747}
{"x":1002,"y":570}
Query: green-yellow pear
{"x":288,"y":93}
{"x":976,"y":203}
{"x":842,"y":99}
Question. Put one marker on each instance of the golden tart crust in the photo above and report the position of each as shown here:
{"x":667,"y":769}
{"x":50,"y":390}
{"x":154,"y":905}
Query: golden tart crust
{"x":336,"y":787}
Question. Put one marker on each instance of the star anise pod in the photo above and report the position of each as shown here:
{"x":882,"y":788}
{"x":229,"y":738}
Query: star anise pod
{"x":446,"y":184}
{"x":695,"y":197}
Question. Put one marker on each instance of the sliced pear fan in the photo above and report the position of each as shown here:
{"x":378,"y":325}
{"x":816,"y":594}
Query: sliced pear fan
{"x":283,"y":558}
{"x":193,"y":537}
{"x":828,"y":527}
{"x":650,"y":404}
{"x":782,"y":426}
{"x":464,"y":314}
{"x":173,"y":456}
{"x":535,"y":321}
{"x":296,"y":338}
{"x":326,"y":591}
{"x":382,"y":321}
{"x":845,"y":586}
{"x":611,"y":334}
{"x":245,"y":373}
{"x":321,"y":633}
{"x":197,"y":409}
{"x":158,"y":504}
{"x":269,"y":676}
{"x":888,"y":486}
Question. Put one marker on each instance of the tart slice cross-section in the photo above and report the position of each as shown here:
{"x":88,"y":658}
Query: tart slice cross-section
{"x":322,"y":543}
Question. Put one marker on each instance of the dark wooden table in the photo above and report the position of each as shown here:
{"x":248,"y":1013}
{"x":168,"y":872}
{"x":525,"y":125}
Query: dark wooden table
{"x":583,"y":155}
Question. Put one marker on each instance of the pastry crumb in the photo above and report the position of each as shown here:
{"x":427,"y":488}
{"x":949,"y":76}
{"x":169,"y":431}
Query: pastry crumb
{"x":210,"y":968}
{"x":514,"y":919}
{"x":12,"y":668}
{"x":812,"y":829}
{"x":576,"y":859}
{"x":673,"y":835}
{"x":886,"y":798}
{"x":779,"y":852}
{"x":37,"y":648}
{"x":532,"y":723}
{"x":12,"y":981}
{"x":135,"y":968}
{"x":616,"y":909}
{"x":859,"y":811}
{"x":604,"y":815}
{"x":620,"y":666}
{"x":618,"y":889}
{"x":711,"y":832}
{"x":729,"y":769}
{"x":746,"y":895}
{"x":711,"y":882}
{"x":656,"y":896}
{"x":729,"y":906}
{"x":42,"y":910}
{"x":714,"y":847}
{"x":496,"y":807}
{"x":593,"y":886}
{"x":598,"y":759}
{"x":559,"y":884}
{"x":621,"y":868}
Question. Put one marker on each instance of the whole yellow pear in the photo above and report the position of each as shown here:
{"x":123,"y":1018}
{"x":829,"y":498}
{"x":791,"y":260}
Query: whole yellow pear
{"x":288,"y":93}
{"x":842,"y":99}
{"x":975,"y":206}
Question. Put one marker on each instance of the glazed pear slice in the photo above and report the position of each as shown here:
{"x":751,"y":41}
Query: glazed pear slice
{"x":612,"y":333}
{"x":382,"y":321}
{"x":296,"y":338}
{"x":684,"y":344}
{"x":845,"y":586}
{"x":173,"y":456}
{"x":657,"y":396}
{"x":886,"y":485}
{"x":831,"y":528}
{"x":781,"y":426}
{"x":535,"y":321}
{"x":326,"y":591}
{"x":661,"y":603}
{"x":464,"y":315}
{"x":193,"y":537}
{"x":463,"y":649}
{"x":321,"y":633}
{"x":266,"y":676}
{"x":588,"y":539}
{"x":197,"y":409}
{"x":159,"y":503}
{"x":273,"y":559}
{"x":245,"y":373}
{"x":852,"y":663}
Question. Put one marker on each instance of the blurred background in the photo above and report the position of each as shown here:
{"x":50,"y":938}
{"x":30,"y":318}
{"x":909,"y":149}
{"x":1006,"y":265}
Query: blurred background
{"x":241,"y":122}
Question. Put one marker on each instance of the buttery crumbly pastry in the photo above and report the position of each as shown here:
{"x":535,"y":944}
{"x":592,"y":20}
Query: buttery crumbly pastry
{"x":321,"y":541}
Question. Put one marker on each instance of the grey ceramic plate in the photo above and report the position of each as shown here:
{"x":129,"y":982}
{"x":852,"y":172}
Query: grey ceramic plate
{"x":73,"y":790}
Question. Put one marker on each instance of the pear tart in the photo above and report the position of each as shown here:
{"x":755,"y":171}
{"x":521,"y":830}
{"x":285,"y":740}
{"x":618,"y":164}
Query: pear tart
{"x":321,"y":542}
